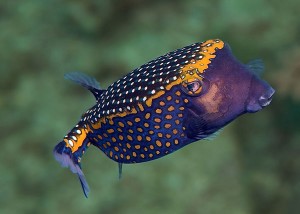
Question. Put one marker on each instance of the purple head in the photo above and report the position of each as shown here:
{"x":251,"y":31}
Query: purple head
{"x":228,"y":89}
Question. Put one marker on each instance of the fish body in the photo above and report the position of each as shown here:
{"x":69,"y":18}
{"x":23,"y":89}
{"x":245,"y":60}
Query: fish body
{"x":164,"y":105}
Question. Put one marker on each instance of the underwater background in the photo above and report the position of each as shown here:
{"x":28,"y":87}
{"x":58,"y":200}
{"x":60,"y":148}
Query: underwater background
{"x":253,"y":166}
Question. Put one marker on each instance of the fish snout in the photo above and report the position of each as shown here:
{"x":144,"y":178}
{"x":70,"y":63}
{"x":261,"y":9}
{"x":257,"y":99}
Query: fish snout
{"x":266,"y":99}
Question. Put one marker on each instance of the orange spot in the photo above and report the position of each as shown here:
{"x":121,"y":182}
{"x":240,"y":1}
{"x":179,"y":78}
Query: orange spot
{"x":148,"y":138}
{"x":146,"y":125}
{"x":158,"y":143}
{"x":108,"y":143}
{"x":100,"y":137}
{"x":139,"y":138}
{"x":139,"y":129}
{"x":128,"y":145}
{"x":110,"y":153}
{"x":169,"y":98}
{"x":162,"y":103}
{"x":146,"y":149}
{"x":157,"y":127}
{"x":130,"y":131}
{"x":129,"y":137}
{"x":177,"y":101}
{"x":171,"y":108}
{"x":151,"y":147}
{"x":116,"y":149}
{"x":158,"y":120}
{"x":168,"y":136}
{"x":180,"y":115}
{"x":121,"y":137}
{"x":128,"y":157}
{"x":110,"y":131}
{"x":119,"y":130}
{"x":124,"y":150}
{"x":111,"y":122}
{"x":158,"y":111}
{"x":134,"y":154}
{"x":137,"y":119}
{"x":150,"y":155}
{"x":121,"y":124}
{"x":159,"y":134}
{"x":96,"y":125}
{"x":175,"y":131}
{"x":113,"y":139}
{"x":105,"y":135}
{"x":178,"y":93}
{"x":151,"y":132}
{"x":168,"y":117}
{"x":104,"y":145}
{"x":129,"y":123}
{"x":116,"y":157}
{"x":176,"y":142}
{"x":183,"y":128}
{"x":167,"y":125}
{"x":182,"y":135}
{"x":121,"y":155}
{"x":177,"y":122}
{"x":168,"y":144}
{"x":147,"y":116}
{"x":140,"y":106}
{"x":157,"y":152}
{"x":142,"y":155}
{"x":181,"y":108}
{"x":186,"y":100}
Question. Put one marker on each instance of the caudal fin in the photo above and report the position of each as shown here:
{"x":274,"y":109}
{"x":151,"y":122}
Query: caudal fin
{"x":66,"y":158}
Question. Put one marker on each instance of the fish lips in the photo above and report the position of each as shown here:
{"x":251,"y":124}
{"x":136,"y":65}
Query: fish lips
{"x":263,"y":101}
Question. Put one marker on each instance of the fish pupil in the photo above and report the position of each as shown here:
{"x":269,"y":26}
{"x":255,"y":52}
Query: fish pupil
{"x":193,"y":86}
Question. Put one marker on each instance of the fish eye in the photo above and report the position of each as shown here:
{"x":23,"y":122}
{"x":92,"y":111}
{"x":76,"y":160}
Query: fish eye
{"x":192,"y":87}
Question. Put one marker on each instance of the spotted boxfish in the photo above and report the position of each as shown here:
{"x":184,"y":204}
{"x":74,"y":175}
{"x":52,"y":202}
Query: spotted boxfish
{"x":176,"y":99}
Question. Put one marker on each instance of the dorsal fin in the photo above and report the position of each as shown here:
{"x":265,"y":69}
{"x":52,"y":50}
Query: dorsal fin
{"x":86,"y":81}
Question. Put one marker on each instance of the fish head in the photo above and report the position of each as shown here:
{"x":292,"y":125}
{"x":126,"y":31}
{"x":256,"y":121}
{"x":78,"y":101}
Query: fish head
{"x":224,"y":91}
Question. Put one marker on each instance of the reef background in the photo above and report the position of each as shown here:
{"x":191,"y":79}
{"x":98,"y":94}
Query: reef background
{"x":251,"y":167}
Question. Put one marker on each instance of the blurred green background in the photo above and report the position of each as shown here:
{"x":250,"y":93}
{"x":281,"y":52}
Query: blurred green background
{"x":253,"y":166}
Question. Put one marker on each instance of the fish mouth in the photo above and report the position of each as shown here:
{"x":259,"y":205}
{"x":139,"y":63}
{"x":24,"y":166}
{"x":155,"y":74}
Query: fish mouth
{"x":266,"y":99}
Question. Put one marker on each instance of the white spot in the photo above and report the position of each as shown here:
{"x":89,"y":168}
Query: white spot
{"x":144,"y":98}
{"x":74,"y":138}
{"x":78,"y":131}
{"x":153,"y":91}
{"x":70,"y":143}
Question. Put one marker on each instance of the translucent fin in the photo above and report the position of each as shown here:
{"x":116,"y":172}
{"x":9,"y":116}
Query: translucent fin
{"x":256,"y":66}
{"x":214,"y":135}
{"x":86,"y":81}
{"x":120,"y":170}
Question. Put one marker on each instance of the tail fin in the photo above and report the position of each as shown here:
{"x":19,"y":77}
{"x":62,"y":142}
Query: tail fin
{"x":65,"y":154}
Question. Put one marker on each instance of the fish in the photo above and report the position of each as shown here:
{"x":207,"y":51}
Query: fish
{"x":179,"y":98}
